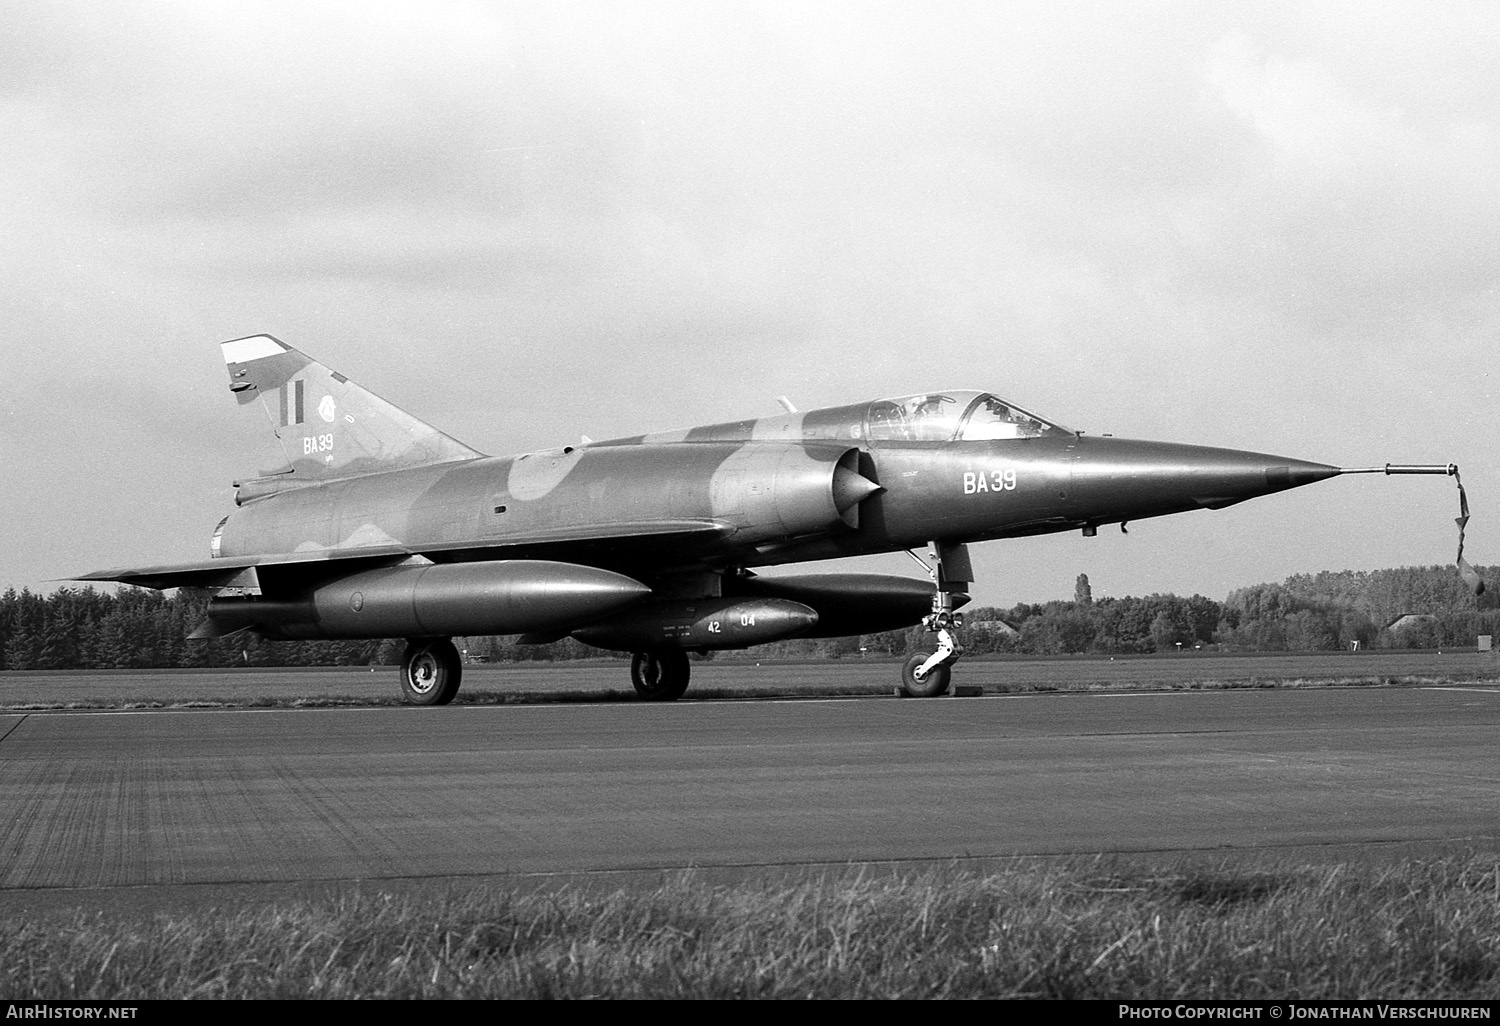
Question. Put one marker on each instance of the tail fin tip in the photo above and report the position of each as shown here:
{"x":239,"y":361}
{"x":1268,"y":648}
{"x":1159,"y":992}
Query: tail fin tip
{"x":252,"y":347}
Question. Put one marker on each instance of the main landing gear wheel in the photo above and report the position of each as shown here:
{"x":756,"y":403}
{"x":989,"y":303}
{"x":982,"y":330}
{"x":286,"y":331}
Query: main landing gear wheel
{"x":430,"y":671}
{"x":933,"y":684}
{"x":660,"y":676}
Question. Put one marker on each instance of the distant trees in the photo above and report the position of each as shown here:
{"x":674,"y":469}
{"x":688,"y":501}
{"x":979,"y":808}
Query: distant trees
{"x":1082,"y":593}
{"x":1325,"y":611}
{"x":1334,"y":609}
{"x":86,"y":629}
{"x":134,"y":628}
{"x":1113,"y":626}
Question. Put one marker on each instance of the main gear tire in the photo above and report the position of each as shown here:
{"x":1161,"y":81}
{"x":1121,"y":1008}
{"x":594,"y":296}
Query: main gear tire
{"x":430,"y":671}
{"x":660,"y":676}
{"x":934,"y":684}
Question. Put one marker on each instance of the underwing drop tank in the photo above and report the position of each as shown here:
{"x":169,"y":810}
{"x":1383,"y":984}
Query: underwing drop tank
{"x":499,"y":597}
{"x":708,"y":623}
{"x":850,"y":603}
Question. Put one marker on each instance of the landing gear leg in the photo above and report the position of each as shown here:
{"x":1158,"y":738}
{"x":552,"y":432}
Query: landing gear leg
{"x":430,"y":671}
{"x":928,"y":674}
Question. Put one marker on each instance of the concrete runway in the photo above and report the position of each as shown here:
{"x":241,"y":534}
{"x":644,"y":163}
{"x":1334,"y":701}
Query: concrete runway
{"x":112,"y":799}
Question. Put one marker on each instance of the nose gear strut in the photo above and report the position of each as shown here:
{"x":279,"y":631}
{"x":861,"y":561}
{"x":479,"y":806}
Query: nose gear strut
{"x":926,"y":674}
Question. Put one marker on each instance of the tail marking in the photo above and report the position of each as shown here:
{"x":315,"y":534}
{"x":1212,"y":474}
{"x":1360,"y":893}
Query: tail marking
{"x":328,"y":426}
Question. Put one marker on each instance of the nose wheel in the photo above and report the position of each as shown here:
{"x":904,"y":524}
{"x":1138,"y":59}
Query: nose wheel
{"x":920,"y":678}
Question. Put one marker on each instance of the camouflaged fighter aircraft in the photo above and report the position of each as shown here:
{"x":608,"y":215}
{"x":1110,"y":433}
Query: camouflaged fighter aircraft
{"x":383,"y":526}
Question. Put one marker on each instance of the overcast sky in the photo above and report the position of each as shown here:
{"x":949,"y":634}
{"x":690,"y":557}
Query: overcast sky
{"x":1270,"y":226}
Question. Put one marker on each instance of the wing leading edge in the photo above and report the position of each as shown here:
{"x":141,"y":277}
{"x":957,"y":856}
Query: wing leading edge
{"x":617,"y":543}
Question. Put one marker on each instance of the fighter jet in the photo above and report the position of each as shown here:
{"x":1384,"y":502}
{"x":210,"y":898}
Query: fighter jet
{"x":382,"y":526}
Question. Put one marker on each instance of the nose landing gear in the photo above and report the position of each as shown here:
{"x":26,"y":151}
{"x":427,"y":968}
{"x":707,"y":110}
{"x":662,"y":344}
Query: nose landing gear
{"x":928,"y":674}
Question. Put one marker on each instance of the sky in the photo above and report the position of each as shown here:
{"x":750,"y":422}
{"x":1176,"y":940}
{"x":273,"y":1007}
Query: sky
{"x":1267,"y":226}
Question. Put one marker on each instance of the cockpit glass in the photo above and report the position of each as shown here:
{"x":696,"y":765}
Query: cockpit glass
{"x":929,"y":417}
{"x":991,"y":417}
{"x":945,"y":416}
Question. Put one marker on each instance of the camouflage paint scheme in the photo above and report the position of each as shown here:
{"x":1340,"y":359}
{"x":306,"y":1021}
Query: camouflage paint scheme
{"x":381,"y":525}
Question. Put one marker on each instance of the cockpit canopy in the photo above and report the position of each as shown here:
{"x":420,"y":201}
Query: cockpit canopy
{"x":948,"y":416}
{"x":960,"y":415}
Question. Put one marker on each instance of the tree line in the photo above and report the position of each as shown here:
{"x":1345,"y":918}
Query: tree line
{"x":136,"y":628}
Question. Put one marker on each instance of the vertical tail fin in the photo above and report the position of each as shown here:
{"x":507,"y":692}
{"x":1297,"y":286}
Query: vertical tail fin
{"x":328,"y":426}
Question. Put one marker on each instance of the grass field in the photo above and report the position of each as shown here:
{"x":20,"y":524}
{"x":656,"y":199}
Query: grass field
{"x":609,"y":679}
{"x":1040,"y":930}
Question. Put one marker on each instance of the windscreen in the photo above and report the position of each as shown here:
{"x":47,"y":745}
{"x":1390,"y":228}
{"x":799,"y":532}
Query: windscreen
{"x":945,"y":416}
{"x":992,"y":417}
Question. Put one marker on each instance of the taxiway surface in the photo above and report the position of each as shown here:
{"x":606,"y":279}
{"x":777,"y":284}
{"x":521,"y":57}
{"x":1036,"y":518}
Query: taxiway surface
{"x":220,"y":797}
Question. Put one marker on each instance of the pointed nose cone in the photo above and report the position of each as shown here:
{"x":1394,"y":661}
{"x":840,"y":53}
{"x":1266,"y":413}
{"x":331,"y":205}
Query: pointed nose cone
{"x":1116,"y":478}
{"x":850,"y":488}
{"x":1296,"y":473}
{"x":1236,"y":476}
